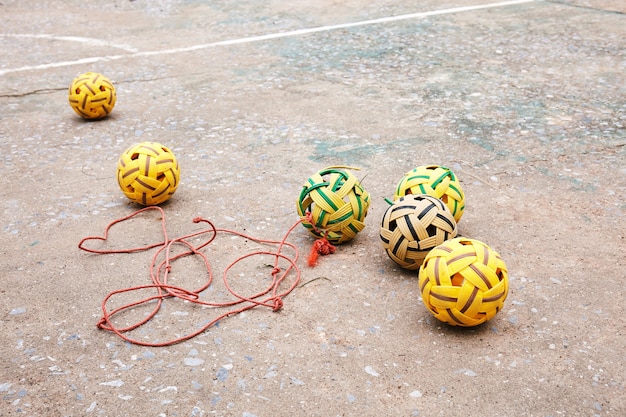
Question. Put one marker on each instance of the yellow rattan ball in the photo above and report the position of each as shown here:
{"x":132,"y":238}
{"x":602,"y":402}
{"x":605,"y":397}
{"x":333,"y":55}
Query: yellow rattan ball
{"x":333,"y":204}
{"x":92,"y":95}
{"x":463,"y":282}
{"x":437,"y":181}
{"x":148,"y":173}
{"x":412,"y":226}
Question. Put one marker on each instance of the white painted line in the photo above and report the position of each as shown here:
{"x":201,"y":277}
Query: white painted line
{"x":91,"y":60}
{"x":270,"y":36}
{"x":80,"y":39}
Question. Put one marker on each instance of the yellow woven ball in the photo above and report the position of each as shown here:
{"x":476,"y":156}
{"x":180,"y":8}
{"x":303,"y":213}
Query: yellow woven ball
{"x":336,"y":204}
{"x":437,"y":181}
{"x":463,"y":282}
{"x":412,"y":226}
{"x":148,"y":173}
{"x":92,"y":95}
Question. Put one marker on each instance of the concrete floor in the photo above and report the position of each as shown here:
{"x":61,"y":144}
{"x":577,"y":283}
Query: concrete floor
{"x":525,"y":102}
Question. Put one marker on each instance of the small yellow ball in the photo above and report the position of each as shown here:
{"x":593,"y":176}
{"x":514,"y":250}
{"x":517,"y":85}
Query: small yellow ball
{"x":148,"y":173}
{"x":92,"y":95}
{"x":463,"y":282}
{"x":436,"y":181}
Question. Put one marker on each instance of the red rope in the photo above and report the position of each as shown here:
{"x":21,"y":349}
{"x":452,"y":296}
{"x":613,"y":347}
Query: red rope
{"x":321,"y":246}
{"x":271,"y":296}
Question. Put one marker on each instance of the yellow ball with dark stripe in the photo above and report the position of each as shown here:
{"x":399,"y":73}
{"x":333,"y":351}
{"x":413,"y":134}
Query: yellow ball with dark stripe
{"x":437,"y":181}
{"x":463,"y":282}
{"x":92,"y":95}
{"x":333,"y":204}
{"x":148,"y":173}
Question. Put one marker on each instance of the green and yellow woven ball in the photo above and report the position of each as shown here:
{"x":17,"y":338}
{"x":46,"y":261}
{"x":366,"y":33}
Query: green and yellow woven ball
{"x":148,"y":173}
{"x":92,"y":95}
{"x":412,"y":226}
{"x":437,"y":181}
{"x":333,"y":204}
{"x":463,"y":282}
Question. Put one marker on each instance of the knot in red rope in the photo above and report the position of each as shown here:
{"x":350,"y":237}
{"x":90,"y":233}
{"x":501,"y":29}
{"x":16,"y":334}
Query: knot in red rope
{"x":278,"y":304}
{"x":324,"y":247}
{"x":320,"y":247}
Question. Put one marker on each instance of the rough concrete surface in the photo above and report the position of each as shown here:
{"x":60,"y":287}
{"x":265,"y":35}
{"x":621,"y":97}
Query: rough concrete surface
{"x":525,"y":102}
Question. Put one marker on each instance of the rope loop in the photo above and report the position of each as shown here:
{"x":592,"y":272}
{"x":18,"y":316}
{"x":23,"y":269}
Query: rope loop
{"x":161,"y":267}
{"x":278,"y":303}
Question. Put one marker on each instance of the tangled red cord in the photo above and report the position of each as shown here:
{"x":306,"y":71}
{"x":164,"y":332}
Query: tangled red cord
{"x":159,"y":270}
{"x":321,"y":246}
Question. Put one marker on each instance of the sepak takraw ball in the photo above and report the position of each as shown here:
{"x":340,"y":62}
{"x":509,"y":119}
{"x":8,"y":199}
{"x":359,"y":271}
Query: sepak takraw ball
{"x":333,"y":205}
{"x":412,"y":226}
{"x":148,"y":173}
{"x":463,"y":282}
{"x":437,"y":181}
{"x":92,"y":95}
